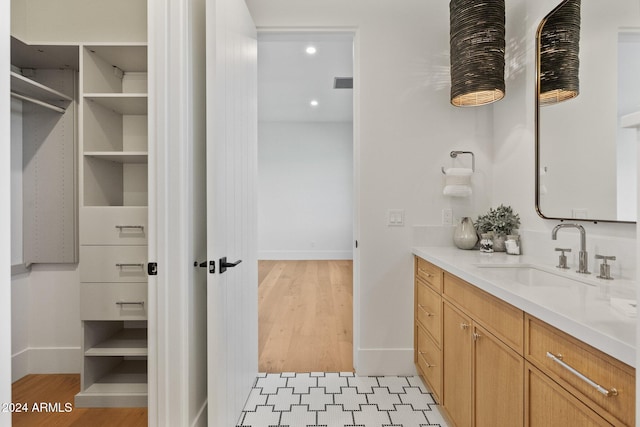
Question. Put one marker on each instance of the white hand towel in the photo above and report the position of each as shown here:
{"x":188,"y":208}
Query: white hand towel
{"x":457,"y":182}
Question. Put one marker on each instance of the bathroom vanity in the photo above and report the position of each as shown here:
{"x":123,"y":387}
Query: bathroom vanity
{"x":503,"y":340}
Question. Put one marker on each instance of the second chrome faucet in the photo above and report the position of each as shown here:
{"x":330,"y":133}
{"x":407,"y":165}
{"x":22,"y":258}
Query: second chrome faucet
{"x":583,"y":257}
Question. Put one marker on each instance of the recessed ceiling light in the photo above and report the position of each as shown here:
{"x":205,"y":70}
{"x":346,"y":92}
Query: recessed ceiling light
{"x":311,"y":50}
{"x":314,"y":103}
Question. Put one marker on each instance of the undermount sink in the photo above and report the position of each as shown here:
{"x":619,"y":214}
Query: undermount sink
{"x":530,"y":275}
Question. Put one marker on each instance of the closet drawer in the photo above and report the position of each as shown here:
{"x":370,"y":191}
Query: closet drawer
{"x":601,"y":368}
{"x":113,"y":301}
{"x":502,"y":319}
{"x":113,"y":226}
{"x":429,"y":310}
{"x":113,"y":263}
{"x":429,"y":361}
{"x":428,"y":272}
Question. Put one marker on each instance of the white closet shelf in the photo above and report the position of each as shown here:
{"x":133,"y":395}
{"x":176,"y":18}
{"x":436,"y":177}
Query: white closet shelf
{"x":126,"y":342}
{"x":123,"y":386}
{"x":133,"y":104}
{"x":31,"y":88}
{"x":119,"y":156}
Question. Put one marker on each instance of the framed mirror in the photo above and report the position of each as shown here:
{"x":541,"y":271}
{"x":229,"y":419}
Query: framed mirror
{"x":585,"y":159}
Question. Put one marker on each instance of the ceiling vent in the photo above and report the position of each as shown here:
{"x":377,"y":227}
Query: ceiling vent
{"x":343,"y":83}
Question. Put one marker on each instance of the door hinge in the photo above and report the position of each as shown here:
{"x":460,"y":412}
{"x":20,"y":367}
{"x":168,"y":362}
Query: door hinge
{"x":152,"y":269}
{"x":356,"y":244}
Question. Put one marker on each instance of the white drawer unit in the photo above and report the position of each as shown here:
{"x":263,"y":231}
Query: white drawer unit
{"x":113,"y":301}
{"x":114,"y":226}
{"x":113,"y":264}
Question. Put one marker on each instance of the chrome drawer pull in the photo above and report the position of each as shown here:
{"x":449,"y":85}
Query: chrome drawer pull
{"x":121,"y":266}
{"x":421,"y":307}
{"x":121,"y":303}
{"x":429,"y":365}
{"x":602,"y":390}
{"x":137,"y":227}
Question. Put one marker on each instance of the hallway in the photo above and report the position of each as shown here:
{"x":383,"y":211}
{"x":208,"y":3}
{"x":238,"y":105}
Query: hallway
{"x":305,"y":316}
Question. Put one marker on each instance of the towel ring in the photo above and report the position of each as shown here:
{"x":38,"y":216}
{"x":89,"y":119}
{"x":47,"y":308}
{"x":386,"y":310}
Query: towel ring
{"x":454,"y":154}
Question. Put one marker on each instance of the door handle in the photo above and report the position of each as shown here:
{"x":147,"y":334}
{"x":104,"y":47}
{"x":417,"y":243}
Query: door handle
{"x":224,"y":264}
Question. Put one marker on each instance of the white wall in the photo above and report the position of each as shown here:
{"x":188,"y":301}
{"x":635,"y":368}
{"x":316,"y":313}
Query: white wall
{"x":405,"y":129}
{"x":5,"y":218}
{"x":74,"y":20}
{"x":305,"y":192}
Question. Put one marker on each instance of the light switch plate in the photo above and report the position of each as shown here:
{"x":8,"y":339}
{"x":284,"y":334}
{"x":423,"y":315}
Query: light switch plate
{"x":395,"y":218}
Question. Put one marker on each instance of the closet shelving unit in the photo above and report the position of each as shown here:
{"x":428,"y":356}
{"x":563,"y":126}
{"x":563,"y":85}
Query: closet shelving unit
{"x":113,"y":224}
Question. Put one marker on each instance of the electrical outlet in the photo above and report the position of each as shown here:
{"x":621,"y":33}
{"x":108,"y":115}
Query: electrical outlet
{"x":447,"y":216}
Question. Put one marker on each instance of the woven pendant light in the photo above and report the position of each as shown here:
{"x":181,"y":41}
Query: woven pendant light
{"x":477,"y":51}
{"x":559,"y":44}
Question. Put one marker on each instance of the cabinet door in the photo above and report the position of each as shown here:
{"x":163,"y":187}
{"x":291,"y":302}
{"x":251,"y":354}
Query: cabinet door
{"x":498,"y":382}
{"x":457,"y":347}
{"x":549,"y":405}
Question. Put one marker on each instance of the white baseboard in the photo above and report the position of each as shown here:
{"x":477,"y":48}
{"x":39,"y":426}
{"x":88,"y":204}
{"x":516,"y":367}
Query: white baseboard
{"x":46,"y":360}
{"x":304,"y":255}
{"x":19,"y":365}
{"x":385,"y":361}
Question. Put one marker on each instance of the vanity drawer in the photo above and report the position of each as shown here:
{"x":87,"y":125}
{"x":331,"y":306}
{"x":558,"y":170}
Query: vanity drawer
{"x":113,"y":263}
{"x":429,"y":310}
{"x":113,"y":301}
{"x":588,"y":361}
{"x":429,"y":361}
{"x":114,"y":225}
{"x":502,"y":319}
{"x":429,"y":273}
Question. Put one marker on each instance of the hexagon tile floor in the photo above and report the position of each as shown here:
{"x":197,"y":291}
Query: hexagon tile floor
{"x":320,"y":399}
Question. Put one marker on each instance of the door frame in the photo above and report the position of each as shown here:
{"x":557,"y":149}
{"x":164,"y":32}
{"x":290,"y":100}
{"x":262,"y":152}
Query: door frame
{"x":355,"y":33}
{"x":172,"y":45}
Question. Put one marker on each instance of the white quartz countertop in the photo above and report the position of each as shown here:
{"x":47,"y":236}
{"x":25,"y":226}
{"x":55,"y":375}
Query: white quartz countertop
{"x":581,"y":310}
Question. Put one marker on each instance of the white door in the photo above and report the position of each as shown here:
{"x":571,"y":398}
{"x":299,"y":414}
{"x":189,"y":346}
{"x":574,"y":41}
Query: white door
{"x":232,"y":298}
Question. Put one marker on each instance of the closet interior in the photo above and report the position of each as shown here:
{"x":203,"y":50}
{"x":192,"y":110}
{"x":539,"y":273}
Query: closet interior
{"x":79,"y":201}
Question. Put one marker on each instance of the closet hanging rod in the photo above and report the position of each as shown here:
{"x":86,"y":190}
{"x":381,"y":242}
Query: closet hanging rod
{"x":38,"y":102}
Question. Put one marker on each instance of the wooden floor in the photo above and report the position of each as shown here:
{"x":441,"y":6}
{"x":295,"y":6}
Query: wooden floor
{"x":59,"y":389}
{"x":305,"y":316}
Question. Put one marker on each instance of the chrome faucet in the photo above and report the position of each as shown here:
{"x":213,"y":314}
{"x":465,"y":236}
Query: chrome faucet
{"x":583,"y":257}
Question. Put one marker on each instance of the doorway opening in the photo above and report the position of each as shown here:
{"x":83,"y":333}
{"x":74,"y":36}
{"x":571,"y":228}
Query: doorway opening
{"x":305,"y":201}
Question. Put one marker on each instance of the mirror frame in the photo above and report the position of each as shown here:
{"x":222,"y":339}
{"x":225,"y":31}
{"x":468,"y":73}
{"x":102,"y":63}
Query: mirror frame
{"x":537,"y":135}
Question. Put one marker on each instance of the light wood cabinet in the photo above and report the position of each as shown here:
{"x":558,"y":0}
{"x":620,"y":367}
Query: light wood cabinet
{"x":498,"y":392}
{"x":113,"y":225}
{"x":428,"y":324}
{"x":457,"y":359}
{"x":503,"y":367}
{"x":483,"y":377}
{"x":549,"y":405}
{"x":579,"y":368}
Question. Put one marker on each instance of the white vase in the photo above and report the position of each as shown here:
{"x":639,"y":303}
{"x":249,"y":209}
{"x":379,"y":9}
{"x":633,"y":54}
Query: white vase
{"x":464,"y":235}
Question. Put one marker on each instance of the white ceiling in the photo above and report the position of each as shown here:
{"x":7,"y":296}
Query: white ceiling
{"x":289,"y":78}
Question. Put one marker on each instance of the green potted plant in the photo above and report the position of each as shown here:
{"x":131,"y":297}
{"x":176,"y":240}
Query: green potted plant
{"x":501,"y":222}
